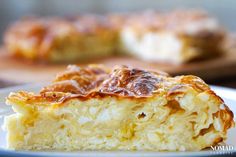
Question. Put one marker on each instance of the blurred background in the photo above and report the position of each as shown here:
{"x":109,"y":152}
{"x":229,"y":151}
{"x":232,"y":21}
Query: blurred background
{"x":11,"y":10}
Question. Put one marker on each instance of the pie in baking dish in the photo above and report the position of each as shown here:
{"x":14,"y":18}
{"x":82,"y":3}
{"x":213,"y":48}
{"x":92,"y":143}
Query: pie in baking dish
{"x":174,"y":37}
{"x":124,"y":108}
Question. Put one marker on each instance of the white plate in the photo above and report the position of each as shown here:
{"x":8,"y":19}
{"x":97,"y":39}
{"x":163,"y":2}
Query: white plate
{"x":229,"y":95}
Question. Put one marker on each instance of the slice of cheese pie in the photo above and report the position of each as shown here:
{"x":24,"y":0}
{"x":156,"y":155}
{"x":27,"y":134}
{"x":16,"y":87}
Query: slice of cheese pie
{"x":124,"y":108}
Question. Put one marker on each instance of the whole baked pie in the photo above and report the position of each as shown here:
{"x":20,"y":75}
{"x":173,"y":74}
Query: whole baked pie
{"x":174,"y":37}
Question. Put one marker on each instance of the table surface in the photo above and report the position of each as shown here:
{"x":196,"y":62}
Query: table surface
{"x":226,"y":82}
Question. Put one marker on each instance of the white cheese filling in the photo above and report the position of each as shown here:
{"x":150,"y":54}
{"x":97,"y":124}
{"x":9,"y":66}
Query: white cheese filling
{"x":152,"y":46}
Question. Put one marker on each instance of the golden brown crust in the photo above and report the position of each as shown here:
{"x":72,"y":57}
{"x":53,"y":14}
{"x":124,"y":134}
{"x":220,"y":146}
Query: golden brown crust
{"x":78,"y":80}
{"x":126,"y":81}
{"x":98,"y":80}
{"x":121,"y":81}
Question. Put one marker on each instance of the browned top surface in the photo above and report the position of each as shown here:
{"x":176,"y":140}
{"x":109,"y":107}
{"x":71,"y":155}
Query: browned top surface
{"x":121,"y":81}
{"x":97,"y":81}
